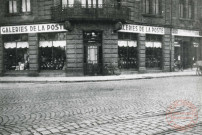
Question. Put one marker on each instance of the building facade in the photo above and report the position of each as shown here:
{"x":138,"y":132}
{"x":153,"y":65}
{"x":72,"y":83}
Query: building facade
{"x":97,"y":37}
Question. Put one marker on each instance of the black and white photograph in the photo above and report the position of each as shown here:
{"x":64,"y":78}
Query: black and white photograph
{"x":100,"y":67}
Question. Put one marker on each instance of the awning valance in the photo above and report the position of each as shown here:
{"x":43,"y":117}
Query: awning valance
{"x":45,"y":44}
{"x":52,"y":44}
{"x":123,"y":43}
{"x":153,"y":44}
{"x":59,"y":43}
{"x":22,"y":45}
{"x":16,"y":45}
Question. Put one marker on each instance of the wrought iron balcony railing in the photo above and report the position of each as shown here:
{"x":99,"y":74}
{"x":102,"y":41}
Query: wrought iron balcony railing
{"x":90,"y":12}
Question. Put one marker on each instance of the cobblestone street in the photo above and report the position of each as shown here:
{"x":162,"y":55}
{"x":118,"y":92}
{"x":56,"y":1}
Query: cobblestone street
{"x":132,"y":107}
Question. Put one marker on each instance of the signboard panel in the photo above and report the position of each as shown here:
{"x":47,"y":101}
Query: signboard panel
{"x":37,"y":28}
{"x":142,"y":29}
{"x":188,"y":33}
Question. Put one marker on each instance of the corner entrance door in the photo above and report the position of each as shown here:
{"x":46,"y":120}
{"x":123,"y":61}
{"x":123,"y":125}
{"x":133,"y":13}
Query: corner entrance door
{"x":92,"y":53}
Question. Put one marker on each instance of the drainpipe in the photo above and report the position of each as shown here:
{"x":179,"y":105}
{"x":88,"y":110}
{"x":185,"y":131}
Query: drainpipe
{"x":171,"y":22}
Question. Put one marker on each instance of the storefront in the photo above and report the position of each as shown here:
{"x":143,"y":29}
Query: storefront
{"x":87,"y":50}
{"x":16,"y":54}
{"x":21,"y":55}
{"x":186,"y":47}
{"x":141,"y":47}
{"x":52,"y":49}
{"x":127,"y":51}
{"x":154,"y":52}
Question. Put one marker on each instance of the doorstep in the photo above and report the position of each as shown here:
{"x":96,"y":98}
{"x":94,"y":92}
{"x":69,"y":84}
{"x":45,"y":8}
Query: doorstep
{"x":16,"y":73}
{"x":52,"y":73}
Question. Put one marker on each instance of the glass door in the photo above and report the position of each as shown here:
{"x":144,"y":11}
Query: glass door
{"x":92,"y":53}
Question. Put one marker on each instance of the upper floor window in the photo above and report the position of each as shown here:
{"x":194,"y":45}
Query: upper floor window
{"x":182,"y":9}
{"x":26,"y":6}
{"x":12,"y":6}
{"x":18,"y":6}
{"x":191,"y":9}
{"x":153,"y":7}
{"x":83,"y":3}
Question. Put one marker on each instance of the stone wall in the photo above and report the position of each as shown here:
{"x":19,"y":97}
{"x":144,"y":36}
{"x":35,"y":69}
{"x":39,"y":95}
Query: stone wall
{"x":110,"y":47}
{"x":186,"y":23}
{"x":33,"y":54}
{"x":74,"y":53}
{"x":1,"y":56}
{"x":167,"y":42}
{"x":40,"y":12}
{"x":141,"y":52}
{"x":75,"y":46}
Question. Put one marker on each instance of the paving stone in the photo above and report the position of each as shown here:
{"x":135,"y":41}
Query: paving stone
{"x":120,"y":107}
{"x":45,"y":132}
{"x":26,"y":133}
{"x":40,"y":129}
{"x":54,"y":130}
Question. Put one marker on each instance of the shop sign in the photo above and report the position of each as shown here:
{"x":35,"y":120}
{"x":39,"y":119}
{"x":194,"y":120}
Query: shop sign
{"x":188,"y":33}
{"x":176,"y":44}
{"x":196,"y":44}
{"x":142,"y":29}
{"x":37,"y":28}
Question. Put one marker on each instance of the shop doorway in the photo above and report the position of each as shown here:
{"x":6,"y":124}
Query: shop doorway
{"x":92,"y":53}
{"x":189,"y":54}
{"x":185,"y":53}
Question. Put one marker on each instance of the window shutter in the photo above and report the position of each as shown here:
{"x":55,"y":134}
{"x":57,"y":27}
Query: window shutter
{"x":151,"y":6}
{"x":193,"y":10}
{"x":160,"y":7}
{"x":184,"y":9}
{"x":7,"y":6}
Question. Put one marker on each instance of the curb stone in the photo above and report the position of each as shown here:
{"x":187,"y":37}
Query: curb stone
{"x":65,"y":80}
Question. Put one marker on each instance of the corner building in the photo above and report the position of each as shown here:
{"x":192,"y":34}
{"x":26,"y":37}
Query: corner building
{"x":97,"y":37}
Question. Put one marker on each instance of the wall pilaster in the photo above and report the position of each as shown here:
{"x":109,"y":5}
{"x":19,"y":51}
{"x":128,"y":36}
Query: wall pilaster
{"x":141,"y":52}
{"x":33,"y":54}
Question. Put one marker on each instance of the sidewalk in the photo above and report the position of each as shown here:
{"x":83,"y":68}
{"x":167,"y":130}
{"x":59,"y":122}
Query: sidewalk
{"x":94,"y":78}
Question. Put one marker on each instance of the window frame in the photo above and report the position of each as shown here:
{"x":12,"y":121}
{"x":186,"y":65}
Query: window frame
{"x":26,"y":6}
{"x":153,"y":7}
{"x":83,"y":3}
{"x":19,"y":7}
{"x":182,"y":9}
{"x":52,"y":37}
{"x":15,"y":39}
{"x":11,"y":11}
{"x":191,"y":9}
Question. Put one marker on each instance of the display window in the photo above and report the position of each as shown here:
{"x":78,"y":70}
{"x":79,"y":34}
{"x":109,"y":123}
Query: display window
{"x":16,"y":56}
{"x":52,"y":48}
{"x":127,"y":51}
{"x":153,"y":51}
{"x":185,"y":51}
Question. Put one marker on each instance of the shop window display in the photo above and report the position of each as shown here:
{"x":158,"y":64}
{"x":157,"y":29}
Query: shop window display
{"x":52,"y":51}
{"x":153,"y":51}
{"x":16,"y":52}
{"x":127,"y":51}
{"x":185,"y":51}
